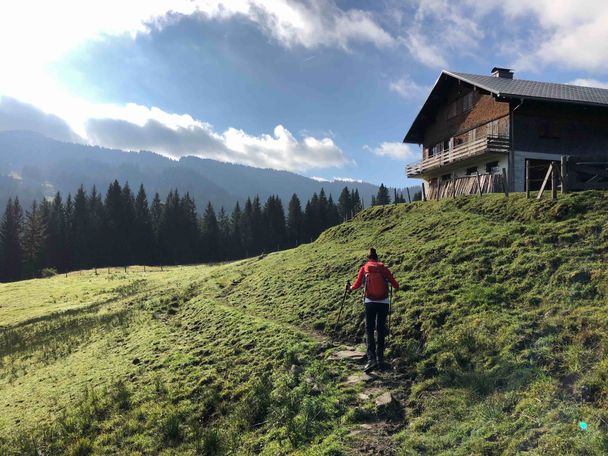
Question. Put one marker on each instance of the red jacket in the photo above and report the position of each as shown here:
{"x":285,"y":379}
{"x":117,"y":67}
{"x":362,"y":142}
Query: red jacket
{"x":374,"y":266}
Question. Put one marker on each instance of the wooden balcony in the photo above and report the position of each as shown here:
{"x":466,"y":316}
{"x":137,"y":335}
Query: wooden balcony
{"x":485,"y":145}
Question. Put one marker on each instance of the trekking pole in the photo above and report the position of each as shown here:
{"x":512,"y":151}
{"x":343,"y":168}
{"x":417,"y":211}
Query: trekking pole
{"x":390,"y":304}
{"x":342,"y":305}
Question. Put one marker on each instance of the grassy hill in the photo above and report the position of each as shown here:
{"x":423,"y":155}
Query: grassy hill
{"x":498,"y":339}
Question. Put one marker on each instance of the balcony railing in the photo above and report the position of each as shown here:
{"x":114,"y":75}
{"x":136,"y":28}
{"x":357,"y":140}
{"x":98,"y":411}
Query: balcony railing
{"x":488,"y":144}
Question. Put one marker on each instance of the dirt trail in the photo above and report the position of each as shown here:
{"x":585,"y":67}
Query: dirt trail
{"x":380,"y":398}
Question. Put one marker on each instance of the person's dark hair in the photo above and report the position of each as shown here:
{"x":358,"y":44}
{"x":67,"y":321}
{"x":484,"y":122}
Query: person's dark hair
{"x":372,"y":255}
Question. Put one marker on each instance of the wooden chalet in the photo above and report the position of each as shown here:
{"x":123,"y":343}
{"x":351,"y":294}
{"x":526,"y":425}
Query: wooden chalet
{"x":496,"y":133}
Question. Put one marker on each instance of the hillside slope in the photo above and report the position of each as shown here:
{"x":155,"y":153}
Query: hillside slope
{"x":498,"y":342}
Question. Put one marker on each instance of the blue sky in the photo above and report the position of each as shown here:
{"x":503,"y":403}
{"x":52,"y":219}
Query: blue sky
{"x":323,"y":88}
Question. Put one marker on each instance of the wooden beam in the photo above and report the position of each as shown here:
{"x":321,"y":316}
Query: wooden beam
{"x":409,"y":200}
{"x":505,"y":182}
{"x":527,"y":182}
{"x":479,"y":183}
{"x":591,"y":170}
{"x":542,"y":187}
{"x":423,"y":192}
{"x":564,"y":173}
{"x":554,"y":181}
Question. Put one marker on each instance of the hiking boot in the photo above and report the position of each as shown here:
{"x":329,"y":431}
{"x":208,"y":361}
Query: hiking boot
{"x":371,"y":365}
{"x":382,"y":364}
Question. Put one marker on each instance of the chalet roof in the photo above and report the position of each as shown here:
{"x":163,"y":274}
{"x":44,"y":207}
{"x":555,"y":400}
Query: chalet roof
{"x":505,"y":89}
{"x":550,"y":91}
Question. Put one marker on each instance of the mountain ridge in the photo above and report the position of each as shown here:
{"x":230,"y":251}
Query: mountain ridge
{"x":33,"y":166}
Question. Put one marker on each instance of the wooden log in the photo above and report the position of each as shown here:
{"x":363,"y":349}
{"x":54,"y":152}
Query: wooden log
{"x":542,"y":187}
{"x":423,"y":192}
{"x":409,"y":199}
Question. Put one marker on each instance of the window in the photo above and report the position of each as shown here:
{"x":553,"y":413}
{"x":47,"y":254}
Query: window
{"x":436,"y":149}
{"x":471,"y":171}
{"x":492,"y":167}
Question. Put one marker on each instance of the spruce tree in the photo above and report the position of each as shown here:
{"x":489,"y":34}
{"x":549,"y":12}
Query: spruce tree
{"x":295,"y":221}
{"x":188,"y":231}
{"x":323,"y":212}
{"x":156,"y":215}
{"x":68,"y":246}
{"x":345,"y":205}
{"x":274,"y":217}
{"x":45,"y":213}
{"x":95,"y":234}
{"x":55,"y":230}
{"x":144,"y":240}
{"x":80,"y":227}
{"x":236,"y":239}
{"x":128,"y":225}
{"x":11,"y":231}
{"x":34,"y":234}
{"x":223,"y":223}
{"x":246,"y":228}
{"x":210,"y":234}
{"x":357,"y":204}
{"x":257,"y":226}
{"x":113,"y":226}
{"x":382,"y":197}
{"x":333,"y":218}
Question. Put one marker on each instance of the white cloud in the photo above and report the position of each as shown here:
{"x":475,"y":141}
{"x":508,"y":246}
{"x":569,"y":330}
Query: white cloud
{"x":44,"y":31}
{"x":311,"y":23}
{"x":590,"y":83}
{"x":441,"y":28}
{"x":533,"y":35}
{"x":348,"y":179}
{"x":136,"y":127}
{"x":409,"y":89}
{"x":16,"y":115}
{"x":396,"y":150}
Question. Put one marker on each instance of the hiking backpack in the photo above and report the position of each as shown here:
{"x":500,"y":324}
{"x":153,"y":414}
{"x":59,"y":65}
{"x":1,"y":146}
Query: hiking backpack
{"x":376,"y":287}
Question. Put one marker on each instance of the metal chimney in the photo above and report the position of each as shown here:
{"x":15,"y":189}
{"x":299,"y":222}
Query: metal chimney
{"x":506,"y":73}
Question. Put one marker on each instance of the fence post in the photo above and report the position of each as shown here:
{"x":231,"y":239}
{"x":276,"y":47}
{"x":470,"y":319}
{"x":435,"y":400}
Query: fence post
{"x":527,"y":182}
{"x":564,"y":173}
{"x":553,"y":181}
{"x":547,"y":176}
{"x":505,"y":184}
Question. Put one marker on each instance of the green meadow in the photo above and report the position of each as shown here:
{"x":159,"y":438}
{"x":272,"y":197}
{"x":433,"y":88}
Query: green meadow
{"x":498,"y":341}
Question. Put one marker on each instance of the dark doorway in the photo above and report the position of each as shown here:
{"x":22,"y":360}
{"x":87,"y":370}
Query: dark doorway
{"x":537,"y":170}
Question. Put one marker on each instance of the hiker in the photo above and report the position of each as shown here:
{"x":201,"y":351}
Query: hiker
{"x":375,"y":277}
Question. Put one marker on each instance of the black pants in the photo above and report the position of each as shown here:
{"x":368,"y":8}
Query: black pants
{"x":375,"y":319}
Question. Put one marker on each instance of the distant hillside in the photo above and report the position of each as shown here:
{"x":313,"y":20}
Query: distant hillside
{"x":33,"y":166}
{"x":499,"y":342}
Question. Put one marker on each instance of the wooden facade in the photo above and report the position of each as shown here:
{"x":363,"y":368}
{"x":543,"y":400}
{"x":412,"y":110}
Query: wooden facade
{"x":465,"y":130}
